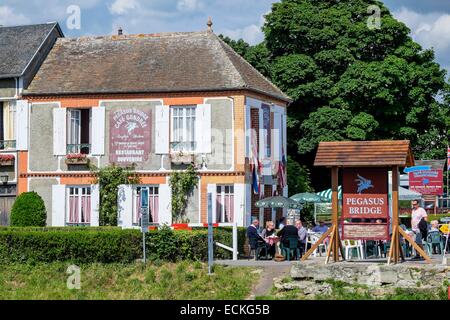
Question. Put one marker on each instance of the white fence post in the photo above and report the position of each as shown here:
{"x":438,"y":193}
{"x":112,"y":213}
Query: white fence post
{"x":235,"y":242}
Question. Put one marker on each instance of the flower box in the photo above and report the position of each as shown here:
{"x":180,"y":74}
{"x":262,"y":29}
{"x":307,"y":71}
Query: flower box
{"x":78,"y":158}
{"x":181,"y":158}
{"x":7,"y":160}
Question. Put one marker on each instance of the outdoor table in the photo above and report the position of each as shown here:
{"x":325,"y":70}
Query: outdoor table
{"x":274,"y":240}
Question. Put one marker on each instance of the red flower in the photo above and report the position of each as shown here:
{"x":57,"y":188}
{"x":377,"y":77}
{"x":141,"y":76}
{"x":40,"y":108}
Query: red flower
{"x":6,"y":157}
{"x":76,"y":156}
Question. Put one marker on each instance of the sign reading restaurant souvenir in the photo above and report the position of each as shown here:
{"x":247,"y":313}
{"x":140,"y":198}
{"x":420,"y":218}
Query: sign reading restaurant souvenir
{"x":130,"y":136}
{"x":427,"y":182}
{"x":365,"y":196}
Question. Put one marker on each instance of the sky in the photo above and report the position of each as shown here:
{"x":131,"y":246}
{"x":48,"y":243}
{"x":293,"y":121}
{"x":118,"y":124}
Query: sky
{"x":429,"y":20}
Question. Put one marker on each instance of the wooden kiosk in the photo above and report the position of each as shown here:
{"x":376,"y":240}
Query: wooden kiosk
{"x":365,"y":164}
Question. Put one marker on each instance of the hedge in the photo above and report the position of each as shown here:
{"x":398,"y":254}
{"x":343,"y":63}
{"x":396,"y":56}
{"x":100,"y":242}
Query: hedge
{"x":108,"y":245}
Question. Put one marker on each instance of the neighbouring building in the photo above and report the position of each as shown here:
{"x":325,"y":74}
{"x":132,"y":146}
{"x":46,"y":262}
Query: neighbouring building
{"x":22,"y":51}
{"x":159,"y":101}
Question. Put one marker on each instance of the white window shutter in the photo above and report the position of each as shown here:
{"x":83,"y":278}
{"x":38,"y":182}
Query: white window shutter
{"x":22,"y":109}
{"x":211,"y":188}
{"x":125,"y":206}
{"x":162,"y":114}
{"x":58,"y":205}
{"x":277,"y":136}
{"x":239,"y":204}
{"x":262,"y":142}
{"x":98,"y":131}
{"x":248,"y":127}
{"x":203,"y":128}
{"x":95,"y":205}
{"x":59,"y":131}
{"x":165,"y":208}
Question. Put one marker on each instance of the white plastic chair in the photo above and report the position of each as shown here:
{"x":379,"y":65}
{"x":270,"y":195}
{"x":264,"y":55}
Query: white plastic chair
{"x":349,"y":245}
{"x":312,"y":238}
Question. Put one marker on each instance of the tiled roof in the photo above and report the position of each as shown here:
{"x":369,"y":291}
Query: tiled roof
{"x":18,"y":45}
{"x":364,"y":153}
{"x":166,"y":62}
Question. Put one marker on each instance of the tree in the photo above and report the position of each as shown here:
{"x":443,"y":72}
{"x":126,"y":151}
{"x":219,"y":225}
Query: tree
{"x":28,"y":211}
{"x":182,"y":184}
{"x":109,"y":178}
{"x":352,"y":82}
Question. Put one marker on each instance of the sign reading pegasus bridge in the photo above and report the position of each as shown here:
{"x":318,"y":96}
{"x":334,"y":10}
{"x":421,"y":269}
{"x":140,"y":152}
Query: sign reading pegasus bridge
{"x":363,"y":168}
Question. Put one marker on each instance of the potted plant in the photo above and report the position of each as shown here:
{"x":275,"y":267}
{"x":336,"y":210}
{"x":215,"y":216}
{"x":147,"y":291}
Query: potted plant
{"x":77,"y":158}
{"x":7,"y":159}
{"x":179,"y":157}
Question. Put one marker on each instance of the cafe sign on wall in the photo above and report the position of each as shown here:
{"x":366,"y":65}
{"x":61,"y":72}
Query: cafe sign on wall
{"x":365,"y":196}
{"x":129,"y":136}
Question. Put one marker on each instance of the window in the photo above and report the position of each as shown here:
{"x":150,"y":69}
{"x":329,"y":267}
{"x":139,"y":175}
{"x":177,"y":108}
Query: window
{"x":153,"y":204}
{"x":225,"y":204}
{"x":267,"y":129}
{"x":79,"y":206}
{"x":7,"y":125}
{"x":183,"y":129}
{"x":78,"y":131}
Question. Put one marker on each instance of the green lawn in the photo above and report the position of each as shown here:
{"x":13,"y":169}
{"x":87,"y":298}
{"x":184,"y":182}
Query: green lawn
{"x":184,"y":280}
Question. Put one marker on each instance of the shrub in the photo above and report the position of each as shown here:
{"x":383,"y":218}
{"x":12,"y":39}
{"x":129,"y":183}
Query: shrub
{"x":28,"y":211}
{"x":89,"y":245}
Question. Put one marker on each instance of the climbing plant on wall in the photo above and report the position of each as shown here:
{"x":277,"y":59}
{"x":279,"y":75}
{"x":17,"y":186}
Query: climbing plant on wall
{"x":182,"y":184}
{"x":109,"y":178}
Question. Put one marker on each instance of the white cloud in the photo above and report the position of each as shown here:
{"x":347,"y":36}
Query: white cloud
{"x":123,"y":6}
{"x":9,"y":17}
{"x":189,"y":5}
{"x":431,"y":30}
{"x":251,"y":33}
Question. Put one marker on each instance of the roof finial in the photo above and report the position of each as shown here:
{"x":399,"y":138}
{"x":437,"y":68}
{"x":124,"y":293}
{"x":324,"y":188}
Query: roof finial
{"x":120,"y":31}
{"x":209,"y":24}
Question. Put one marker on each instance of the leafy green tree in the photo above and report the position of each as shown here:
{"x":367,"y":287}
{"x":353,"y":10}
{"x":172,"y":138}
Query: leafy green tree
{"x":109,"y":178}
{"x":352,"y":82}
{"x":28,"y":211}
{"x":182,"y":184}
{"x":298,"y":181}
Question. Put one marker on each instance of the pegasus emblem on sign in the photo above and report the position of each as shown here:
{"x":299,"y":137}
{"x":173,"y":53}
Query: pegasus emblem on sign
{"x":363,"y":184}
{"x":131,"y":126}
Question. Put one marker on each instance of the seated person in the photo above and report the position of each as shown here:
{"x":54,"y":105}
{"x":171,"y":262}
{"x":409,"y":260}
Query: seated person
{"x":434,"y":226}
{"x":282,"y":223}
{"x":321,"y":228}
{"x":268,"y":231}
{"x":254,"y":238}
{"x":289,"y":231}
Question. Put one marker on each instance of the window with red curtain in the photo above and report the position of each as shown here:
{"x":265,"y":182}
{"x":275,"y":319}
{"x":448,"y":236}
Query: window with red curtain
{"x":79,"y":205}
{"x":225,"y":203}
{"x":153,"y":203}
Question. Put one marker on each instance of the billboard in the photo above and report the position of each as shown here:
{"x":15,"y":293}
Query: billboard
{"x":129,"y":136}
{"x":427,"y":182}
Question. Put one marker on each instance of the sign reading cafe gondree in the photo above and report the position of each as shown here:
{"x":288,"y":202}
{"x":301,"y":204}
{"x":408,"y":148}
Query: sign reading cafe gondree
{"x":129,"y":136}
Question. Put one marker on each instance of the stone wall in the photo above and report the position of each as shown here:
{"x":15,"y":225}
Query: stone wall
{"x":314,"y":277}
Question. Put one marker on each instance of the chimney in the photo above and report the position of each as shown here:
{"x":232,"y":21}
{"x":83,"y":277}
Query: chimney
{"x":120,"y":31}
{"x":209,"y":24}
